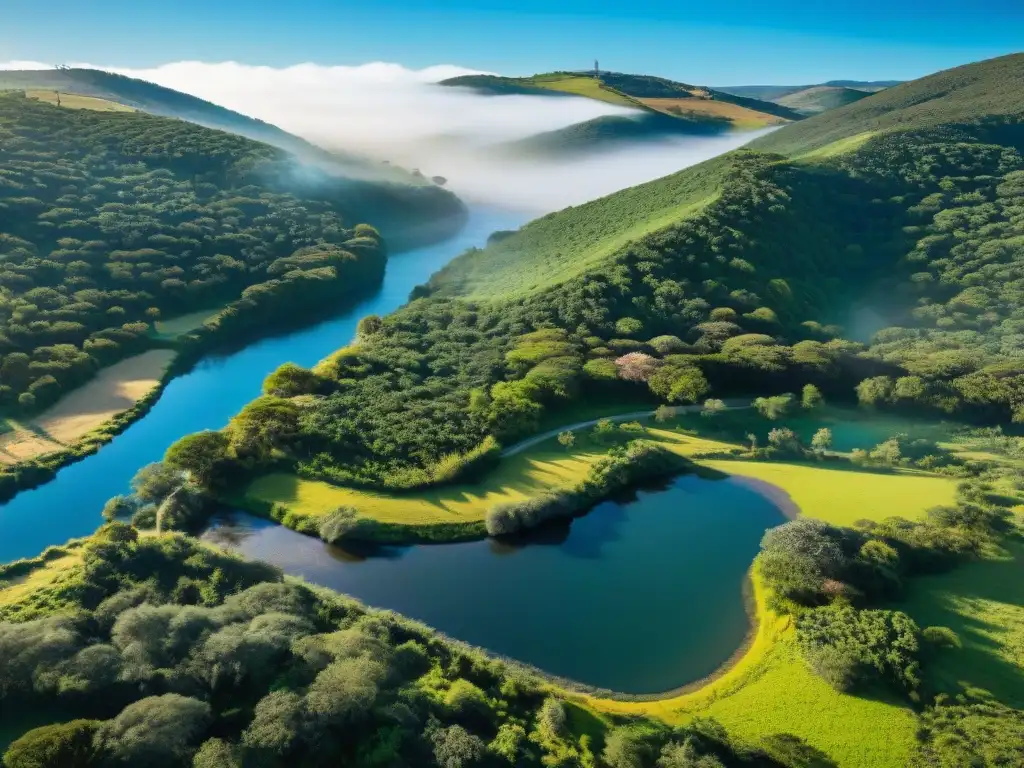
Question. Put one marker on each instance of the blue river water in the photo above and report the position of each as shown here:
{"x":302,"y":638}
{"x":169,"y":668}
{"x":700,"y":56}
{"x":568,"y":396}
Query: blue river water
{"x":216,"y":389}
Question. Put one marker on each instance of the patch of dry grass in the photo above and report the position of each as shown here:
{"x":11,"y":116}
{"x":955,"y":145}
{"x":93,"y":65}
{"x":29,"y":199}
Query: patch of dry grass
{"x":74,"y":101}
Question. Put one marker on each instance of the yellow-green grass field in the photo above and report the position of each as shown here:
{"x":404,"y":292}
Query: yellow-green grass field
{"x":842,"y":146}
{"x":843,"y":496}
{"x":983,"y":602}
{"x":74,"y":101}
{"x":546,"y":466}
{"x":740,"y":117}
{"x":839,"y":496}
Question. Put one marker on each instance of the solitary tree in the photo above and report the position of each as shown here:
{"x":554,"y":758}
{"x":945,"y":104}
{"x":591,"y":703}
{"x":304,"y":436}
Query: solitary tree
{"x":567,"y":439}
{"x":822,"y":440}
{"x":812,"y":397}
{"x":712,"y":407}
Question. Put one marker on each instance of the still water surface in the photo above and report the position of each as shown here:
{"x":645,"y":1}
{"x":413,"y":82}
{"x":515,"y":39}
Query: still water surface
{"x":69,"y":506}
{"x":639,"y":596}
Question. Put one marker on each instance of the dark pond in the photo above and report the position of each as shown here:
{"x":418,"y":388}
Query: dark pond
{"x":69,"y":506}
{"x":638,"y":596}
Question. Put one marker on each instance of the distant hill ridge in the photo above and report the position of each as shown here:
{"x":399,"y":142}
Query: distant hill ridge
{"x":646,"y":93}
{"x":775,"y":92}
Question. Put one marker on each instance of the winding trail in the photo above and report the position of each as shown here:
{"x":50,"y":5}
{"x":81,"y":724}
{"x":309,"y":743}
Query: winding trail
{"x":529,"y":442}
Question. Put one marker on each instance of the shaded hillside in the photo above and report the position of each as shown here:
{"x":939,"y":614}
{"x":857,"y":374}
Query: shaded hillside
{"x":644,"y":92}
{"x":951,"y":97}
{"x":611,"y":131}
{"x":734,"y":276}
{"x":821,"y":98}
{"x":407,"y":209}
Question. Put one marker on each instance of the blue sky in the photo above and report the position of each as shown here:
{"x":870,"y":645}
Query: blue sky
{"x":727,"y":42}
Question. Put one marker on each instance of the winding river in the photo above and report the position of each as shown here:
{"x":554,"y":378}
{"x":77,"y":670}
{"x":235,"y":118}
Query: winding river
{"x":641,"y":595}
{"x":207,"y":397}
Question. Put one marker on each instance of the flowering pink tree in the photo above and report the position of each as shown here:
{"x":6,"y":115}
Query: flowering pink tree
{"x":636,"y":366}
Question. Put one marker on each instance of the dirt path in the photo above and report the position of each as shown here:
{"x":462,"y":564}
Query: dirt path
{"x":529,"y":442}
{"x":115,"y":389}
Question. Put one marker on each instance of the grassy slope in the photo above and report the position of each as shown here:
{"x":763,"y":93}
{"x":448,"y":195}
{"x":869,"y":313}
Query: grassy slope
{"x":821,"y":98}
{"x":714,"y":111}
{"x":544,"y":467}
{"x":613,"y":130}
{"x":559,"y":246}
{"x":43,"y":574}
{"x":990,"y":87}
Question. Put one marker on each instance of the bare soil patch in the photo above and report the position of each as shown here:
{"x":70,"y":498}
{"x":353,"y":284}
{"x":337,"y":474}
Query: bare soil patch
{"x":115,"y":389}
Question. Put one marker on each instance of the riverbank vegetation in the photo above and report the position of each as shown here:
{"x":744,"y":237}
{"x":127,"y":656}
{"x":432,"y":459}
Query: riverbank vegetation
{"x":742,"y":285}
{"x":173,"y":654}
{"x":144,"y":217}
{"x":838,"y":491}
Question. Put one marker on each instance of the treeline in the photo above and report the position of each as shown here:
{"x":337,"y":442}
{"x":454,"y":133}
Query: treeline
{"x":173,"y":654}
{"x":110,"y":221}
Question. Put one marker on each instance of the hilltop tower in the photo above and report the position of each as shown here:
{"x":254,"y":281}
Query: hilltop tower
{"x":597,"y":70}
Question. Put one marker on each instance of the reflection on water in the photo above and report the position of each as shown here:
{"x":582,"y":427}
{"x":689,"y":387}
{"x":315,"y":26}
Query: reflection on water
{"x":642,"y":594}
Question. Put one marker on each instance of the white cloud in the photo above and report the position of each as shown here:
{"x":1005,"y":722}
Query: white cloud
{"x":390,"y":112}
{"x":24,"y":65}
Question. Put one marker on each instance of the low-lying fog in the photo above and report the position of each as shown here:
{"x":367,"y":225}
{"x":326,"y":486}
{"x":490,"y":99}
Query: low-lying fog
{"x":388,"y":112}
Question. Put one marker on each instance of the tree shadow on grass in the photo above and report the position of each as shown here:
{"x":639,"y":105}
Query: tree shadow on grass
{"x":793,"y":752}
{"x":982,"y":602}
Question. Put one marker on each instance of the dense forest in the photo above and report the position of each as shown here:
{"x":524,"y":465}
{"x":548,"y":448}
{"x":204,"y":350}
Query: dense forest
{"x":173,"y":654}
{"x":762,"y":288}
{"x":112,"y":220}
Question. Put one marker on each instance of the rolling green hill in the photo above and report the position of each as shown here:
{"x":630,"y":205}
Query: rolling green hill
{"x":407,"y":209}
{"x":736,"y":274}
{"x":776,"y":93}
{"x":694,"y":104}
{"x":964,"y":94}
{"x":821,"y":98}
